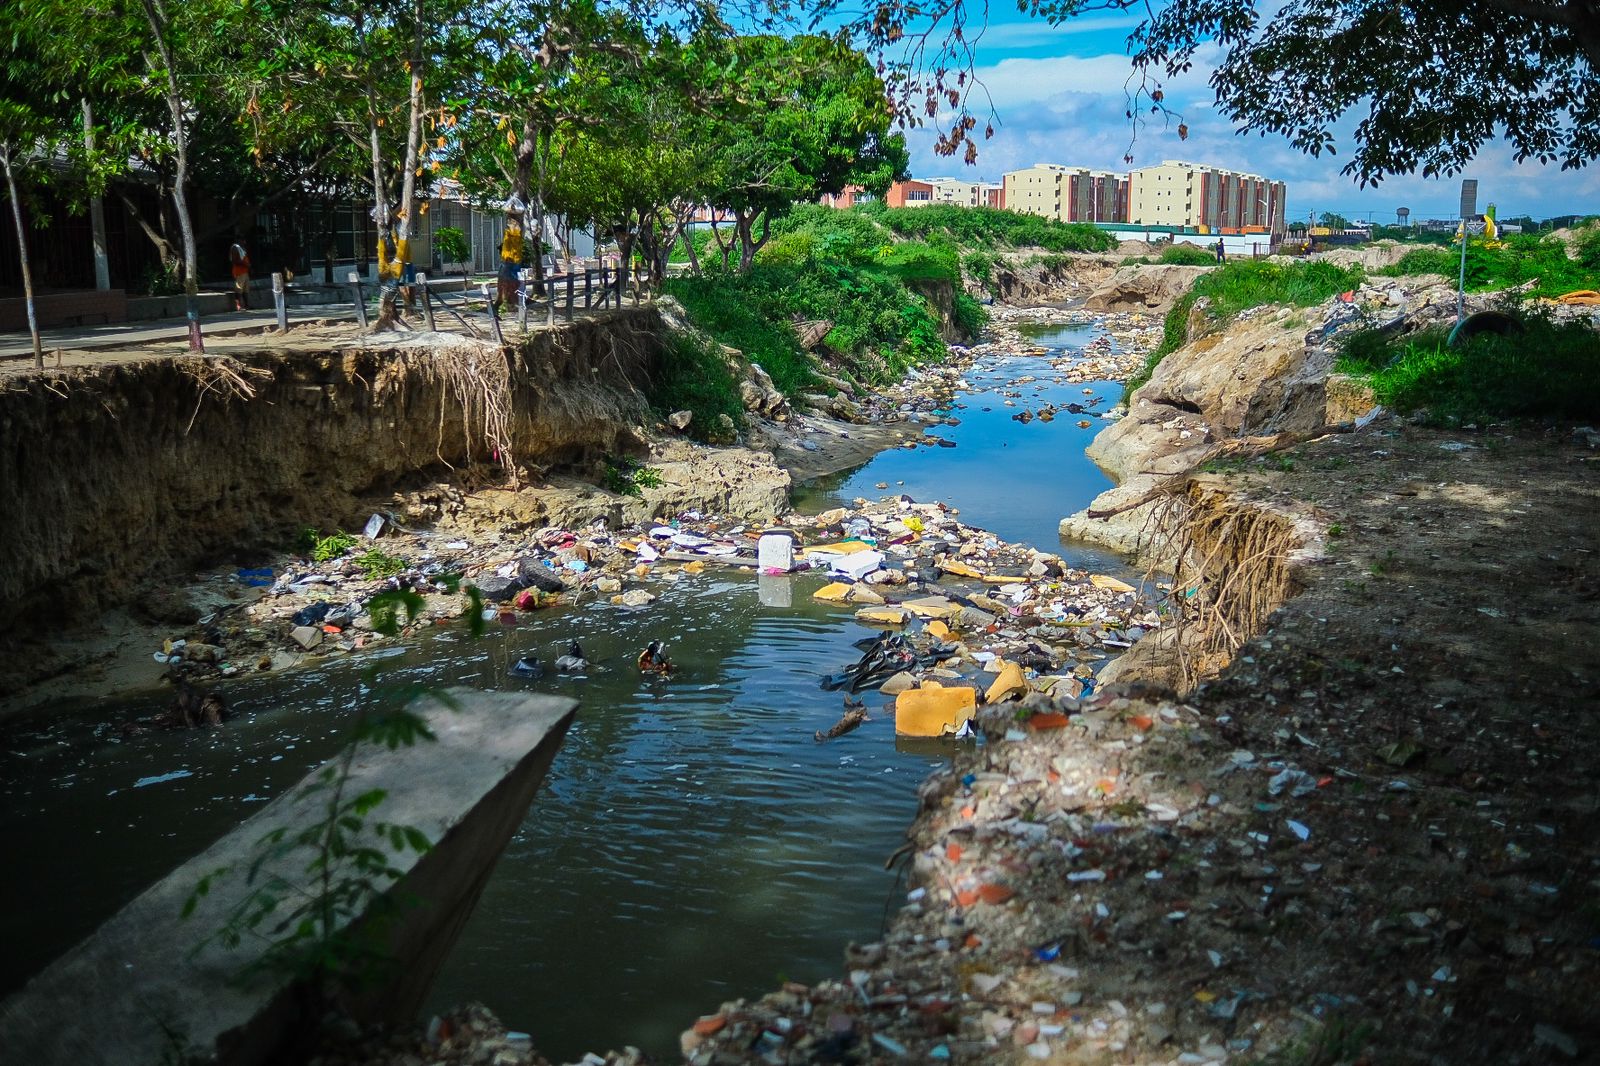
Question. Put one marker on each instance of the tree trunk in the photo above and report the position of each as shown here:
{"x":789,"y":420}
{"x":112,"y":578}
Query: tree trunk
{"x":724,"y":247}
{"x":156,"y":13}
{"x":387,"y":304}
{"x":163,"y":246}
{"x":22,"y":255}
{"x":749,"y":244}
{"x":97,"y":211}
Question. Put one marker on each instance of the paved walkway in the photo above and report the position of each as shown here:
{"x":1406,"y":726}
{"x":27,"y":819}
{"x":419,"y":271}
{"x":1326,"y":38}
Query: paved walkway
{"x":124,"y":334}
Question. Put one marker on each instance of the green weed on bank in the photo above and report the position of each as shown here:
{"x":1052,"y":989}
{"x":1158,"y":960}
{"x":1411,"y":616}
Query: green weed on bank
{"x":1551,"y":370}
{"x":1240,"y":285}
{"x":845,"y":268}
{"x":693,"y":377}
{"x":988,"y":227}
{"x":1520,"y":259}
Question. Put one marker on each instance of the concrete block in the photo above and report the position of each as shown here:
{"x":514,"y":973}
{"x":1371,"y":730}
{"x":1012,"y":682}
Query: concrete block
{"x":140,"y":991}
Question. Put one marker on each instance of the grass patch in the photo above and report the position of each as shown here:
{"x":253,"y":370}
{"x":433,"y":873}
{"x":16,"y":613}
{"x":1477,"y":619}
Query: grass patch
{"x":1552,"y":370}
{"x":1238,"y":286}
{"x":695,"y":378}
{"x":1518,"y":260}
{"x":1186,"y":255}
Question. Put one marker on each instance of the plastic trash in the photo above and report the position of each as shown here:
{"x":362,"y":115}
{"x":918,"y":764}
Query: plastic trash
{"x":257,"y":577}
{"x":529,"y":667}
{"x":775,"y":553}
{"x":859,"y":564}
{"x":374,"y":527}
{"x":933,"y":710}
{"x":312,"y":614}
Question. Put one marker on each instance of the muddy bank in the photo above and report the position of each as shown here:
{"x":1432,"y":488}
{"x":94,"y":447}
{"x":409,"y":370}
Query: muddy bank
{"x":120,"y":473}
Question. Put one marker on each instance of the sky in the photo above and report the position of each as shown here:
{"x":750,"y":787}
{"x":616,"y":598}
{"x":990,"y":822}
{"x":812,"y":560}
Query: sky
{"x":1058,"y":95}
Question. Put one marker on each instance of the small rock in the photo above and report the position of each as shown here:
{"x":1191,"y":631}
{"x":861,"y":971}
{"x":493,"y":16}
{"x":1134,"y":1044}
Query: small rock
{"x":637,"y":598}
{"x":306,"y":636}
{"x":679,"y":420}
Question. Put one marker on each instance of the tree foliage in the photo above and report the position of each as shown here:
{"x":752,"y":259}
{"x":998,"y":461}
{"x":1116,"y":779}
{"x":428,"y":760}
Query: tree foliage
{"x":1430,"y":81}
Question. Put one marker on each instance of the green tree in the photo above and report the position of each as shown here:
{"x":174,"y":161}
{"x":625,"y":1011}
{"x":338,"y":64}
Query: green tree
{"x":33,"y":127}
{"x":807,"y":117}
{"x":1333,"y":220}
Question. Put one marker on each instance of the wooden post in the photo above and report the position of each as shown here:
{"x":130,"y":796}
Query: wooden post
{"x":427,"y":304}
{"x":494,"y":314}
{"x":523,"y":277}
{"x":570,"y":281}
{"x":361,"y":299}
{"x":588,"y":287}
{"x":280,"y":301}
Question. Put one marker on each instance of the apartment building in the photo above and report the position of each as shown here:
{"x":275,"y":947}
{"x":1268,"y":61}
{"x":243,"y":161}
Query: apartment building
{"x":1067,"y":194}
{"x":1178,"y":193}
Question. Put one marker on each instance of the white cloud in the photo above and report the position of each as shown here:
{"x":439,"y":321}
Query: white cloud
{"x":1073,"y":110}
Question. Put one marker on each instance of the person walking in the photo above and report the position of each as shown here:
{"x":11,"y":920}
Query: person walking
{"x":239,"y":261}
{"x":1222,"y":252}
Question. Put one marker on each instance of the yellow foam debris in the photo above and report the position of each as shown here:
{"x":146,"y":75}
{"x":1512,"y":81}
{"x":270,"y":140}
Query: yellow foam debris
{"x":891,"y":616}
{"x":833,"y":593}
{"x":844,"y":547}
{"x":960,"y":569}
{"x":939,"y":629}
{"x":1010,"y":683}
{"x":933,"y":710}
{"x":933,"y":607}
{"x":696,"y":567}
{"x":1101,"y":581}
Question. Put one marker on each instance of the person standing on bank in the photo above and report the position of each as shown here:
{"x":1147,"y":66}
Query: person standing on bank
{"x":1222,"y":253}
{"x":239,"y":260}
{"x":509,"y":277}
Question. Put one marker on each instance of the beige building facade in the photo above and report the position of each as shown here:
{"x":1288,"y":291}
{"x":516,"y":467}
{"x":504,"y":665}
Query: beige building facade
{"x":1067,"y":194}
{"x":1214,"y":199}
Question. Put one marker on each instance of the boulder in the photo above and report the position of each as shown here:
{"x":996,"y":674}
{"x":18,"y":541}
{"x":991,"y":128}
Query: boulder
{"x":1143,"y":287}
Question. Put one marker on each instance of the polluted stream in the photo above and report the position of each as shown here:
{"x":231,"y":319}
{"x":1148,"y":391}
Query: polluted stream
{"x":692,"y":844}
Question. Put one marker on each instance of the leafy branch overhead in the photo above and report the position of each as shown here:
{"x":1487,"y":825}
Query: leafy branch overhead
{"x":1428,"y":81}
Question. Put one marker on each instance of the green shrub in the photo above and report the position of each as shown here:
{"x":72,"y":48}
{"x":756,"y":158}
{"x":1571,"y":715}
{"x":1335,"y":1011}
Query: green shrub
{"x":1187,"y":255}
{"x":969,"y":314}
{"x":1589,"y":247}
{"x":987,"y":227}
{"x":693,"y":377}
{"x":1549,"y":371}
{"x":629,"y":477}
{"x":376,"y":564}
{"x":332,"y":546}
{"x":980,"y":267}
{"x":452,"y":244}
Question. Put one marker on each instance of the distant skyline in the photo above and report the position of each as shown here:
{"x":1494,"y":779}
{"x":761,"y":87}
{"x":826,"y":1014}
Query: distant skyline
{"x":1058,"y":98}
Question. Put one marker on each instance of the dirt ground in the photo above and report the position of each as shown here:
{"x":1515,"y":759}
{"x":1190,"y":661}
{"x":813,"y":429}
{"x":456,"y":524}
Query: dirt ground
{"x":1373,"y":839}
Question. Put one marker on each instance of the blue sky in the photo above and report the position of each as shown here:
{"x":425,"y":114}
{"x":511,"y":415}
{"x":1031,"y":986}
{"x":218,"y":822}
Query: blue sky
{"x":1058,"y":94}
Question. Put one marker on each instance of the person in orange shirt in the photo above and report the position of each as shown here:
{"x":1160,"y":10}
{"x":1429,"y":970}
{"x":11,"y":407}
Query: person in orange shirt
{"x":239,"y":260}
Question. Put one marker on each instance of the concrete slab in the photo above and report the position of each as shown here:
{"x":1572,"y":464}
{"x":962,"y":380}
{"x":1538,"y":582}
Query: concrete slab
{"x":148,"y":987}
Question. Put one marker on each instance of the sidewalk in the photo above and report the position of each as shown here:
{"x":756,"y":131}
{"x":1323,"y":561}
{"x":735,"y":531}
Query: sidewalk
{"x":122,"y":334}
